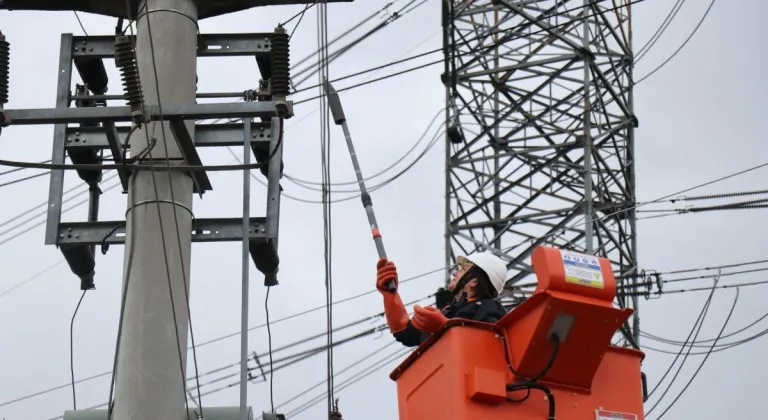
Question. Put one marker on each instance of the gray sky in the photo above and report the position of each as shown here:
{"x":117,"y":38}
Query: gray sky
{"x":700,"y":118}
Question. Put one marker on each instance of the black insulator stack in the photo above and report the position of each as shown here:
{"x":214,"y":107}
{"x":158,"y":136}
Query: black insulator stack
{"x":5,"y":58}
{"x":125,"y":60}
{"x":281,"y":63}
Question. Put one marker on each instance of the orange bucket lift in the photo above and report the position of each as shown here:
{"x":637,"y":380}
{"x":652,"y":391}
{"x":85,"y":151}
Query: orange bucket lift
{"x":550,"y":357}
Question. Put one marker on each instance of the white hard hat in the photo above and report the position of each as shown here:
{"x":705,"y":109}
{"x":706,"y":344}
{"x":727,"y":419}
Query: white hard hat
{"x":492,"y":265}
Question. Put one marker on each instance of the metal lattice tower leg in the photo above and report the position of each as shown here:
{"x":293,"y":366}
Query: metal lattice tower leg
{"x":540,"y":130}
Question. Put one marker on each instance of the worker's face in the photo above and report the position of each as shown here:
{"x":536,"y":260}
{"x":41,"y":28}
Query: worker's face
{"x":457,"y":274}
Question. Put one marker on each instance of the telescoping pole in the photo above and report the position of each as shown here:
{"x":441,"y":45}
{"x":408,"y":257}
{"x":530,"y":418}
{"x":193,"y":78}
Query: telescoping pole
{"x":340,"y":119}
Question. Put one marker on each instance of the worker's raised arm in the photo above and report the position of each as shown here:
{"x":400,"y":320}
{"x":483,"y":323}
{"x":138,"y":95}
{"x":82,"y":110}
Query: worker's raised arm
{"x":394,"y":310}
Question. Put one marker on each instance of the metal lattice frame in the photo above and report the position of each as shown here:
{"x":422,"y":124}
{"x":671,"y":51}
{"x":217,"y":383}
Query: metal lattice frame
{"x":537,"y":91}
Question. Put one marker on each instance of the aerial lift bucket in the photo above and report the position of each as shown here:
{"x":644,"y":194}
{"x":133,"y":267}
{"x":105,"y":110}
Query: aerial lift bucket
{"x":514,"y":370}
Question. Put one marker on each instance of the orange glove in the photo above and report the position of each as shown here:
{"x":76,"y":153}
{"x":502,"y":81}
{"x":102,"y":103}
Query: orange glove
{"x":385,"y":271}
{"x":394,"y":309}
{"x":428,"y":319}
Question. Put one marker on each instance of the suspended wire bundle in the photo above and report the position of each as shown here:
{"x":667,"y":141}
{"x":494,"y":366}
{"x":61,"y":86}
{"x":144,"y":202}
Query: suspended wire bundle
{"x":756,"y":203}
{"x":325,"y":152}
{"x":330,"y":57}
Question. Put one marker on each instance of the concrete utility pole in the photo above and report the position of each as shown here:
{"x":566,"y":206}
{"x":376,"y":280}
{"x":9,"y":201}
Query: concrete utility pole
{"x":150,"y":381}
{"x":150,"y":374}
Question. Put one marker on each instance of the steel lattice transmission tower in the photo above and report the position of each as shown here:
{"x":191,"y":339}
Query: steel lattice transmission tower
{"x":539,"y":129}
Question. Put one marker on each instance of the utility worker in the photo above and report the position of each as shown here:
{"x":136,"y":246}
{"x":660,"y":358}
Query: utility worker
{"x":475,"y":285}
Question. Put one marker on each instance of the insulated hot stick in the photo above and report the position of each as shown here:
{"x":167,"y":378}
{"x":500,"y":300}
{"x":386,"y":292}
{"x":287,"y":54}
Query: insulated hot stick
{"x":338,"y":117}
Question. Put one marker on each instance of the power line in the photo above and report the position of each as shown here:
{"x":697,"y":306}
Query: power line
{"x":269,"y":341}
{"x":27,"y":178}
{"x":339,"y":372}
{"x":727,"y":319}
{"x":240,"y":167}
{"x":286,"y":318}
{"x":72,"y":349}
{"x":369,"y":370}
{"x":630,"y":208}
{"x":701,"y":21}
{"x":660,"y":31}
{"x":375,"y":187}
{"x":77,"y":16}
{"x":697,"y":328}
{"x":10,"y":171}
{"x":288,"y":360}
{"x":328,"y":58}
{"x":714,"y":348}
{"x":325,"y":156}
{"x":29,"y":280}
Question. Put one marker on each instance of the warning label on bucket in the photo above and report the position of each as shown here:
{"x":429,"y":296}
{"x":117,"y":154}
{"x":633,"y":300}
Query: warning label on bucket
{"x":582,"y":269}
{"x":613,"y":415}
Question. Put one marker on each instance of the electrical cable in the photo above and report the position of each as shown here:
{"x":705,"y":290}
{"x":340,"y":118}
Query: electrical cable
{"x":433,"y":51}
{"x":367,"y":371}
{"x":10,"y":171}
{"x":221,"y":168}
{"x":30,"y":279}
{"x":340,"y":36}
{"x":700,"y":343}
{"x":660,"y":31}
{"x":16,"y":181}
{"x":701,"y":289}
{"x":43,"y":213}
{"x":77,"y":16}
{"x":722,"y":346}
{"x":375,"y":187}
{"x":697,"y":328}
{"x":72,"y":350}
{"x":345,"y":300}
{"x":727,"y":319}
{"x":290,"y":360}
{"x":45,"y":204}
{"x":389,"y":76}
{"x":325,"y":153}
{"x":376,"y":175}
{"x":526,"y":384}
{"x":701,"y":21}
{"x":269,"y":343}
{"x":632,"y":207}
{"x":330,"y":57}
{"x":691,"y":270}
{"x":176,"y":220}
{"x":215,"y":340}
{"x":124,"y":295}
{"x":483,"y":49}
{"x":381,"y":184}
{"x":337,"y":373}
{"x":299,"y":15}
{"x":306,"y":312}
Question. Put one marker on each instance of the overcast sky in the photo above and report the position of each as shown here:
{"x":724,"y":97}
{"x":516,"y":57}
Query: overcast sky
{"x":701,"y":117}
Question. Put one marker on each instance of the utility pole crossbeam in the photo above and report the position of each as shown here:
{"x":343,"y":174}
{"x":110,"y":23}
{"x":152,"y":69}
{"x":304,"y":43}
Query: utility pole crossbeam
{"x":158,"y":67}
{"x":539,"y":131}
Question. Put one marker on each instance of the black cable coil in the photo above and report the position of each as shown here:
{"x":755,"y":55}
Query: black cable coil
{"x":125,"y":60}
{"x":281,"y":63}
{"x":5,"y":58}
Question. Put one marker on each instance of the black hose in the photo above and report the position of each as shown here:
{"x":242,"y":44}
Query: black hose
{"x":555,"y":347}
{"x":528,"y":386}
{"x":530,"y":383}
